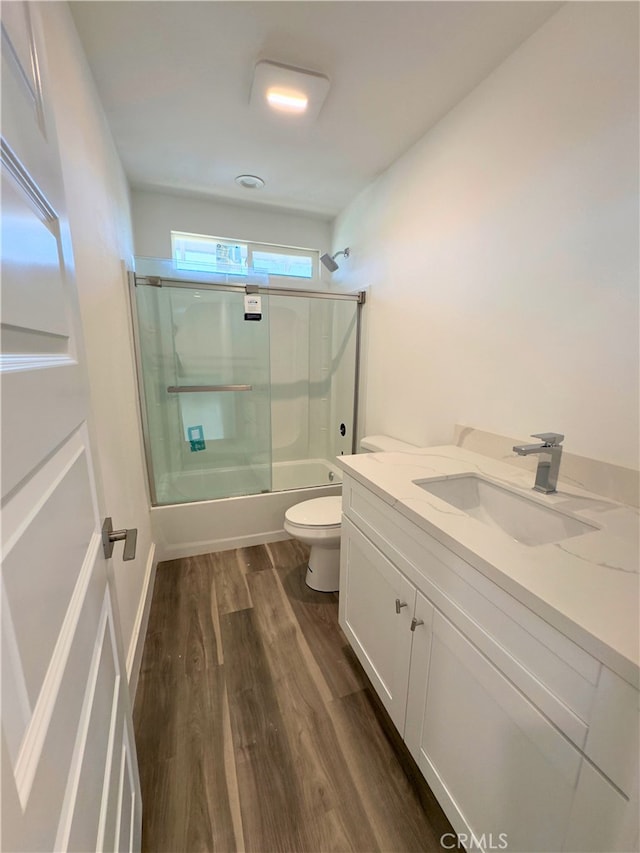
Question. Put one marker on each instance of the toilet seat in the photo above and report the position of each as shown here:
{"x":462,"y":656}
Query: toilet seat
{"x":317,"y":523}
{"x":319,"y":513}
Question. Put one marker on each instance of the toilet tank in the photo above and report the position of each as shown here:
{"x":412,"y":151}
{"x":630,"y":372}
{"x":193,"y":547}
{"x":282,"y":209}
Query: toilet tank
{"x":384,"y":443}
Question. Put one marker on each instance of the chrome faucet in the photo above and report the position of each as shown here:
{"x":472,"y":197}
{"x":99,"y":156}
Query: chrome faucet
{"x":549,"y":462}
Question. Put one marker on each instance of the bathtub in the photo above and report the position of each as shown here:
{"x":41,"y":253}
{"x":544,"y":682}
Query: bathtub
{"x":203,"y":525}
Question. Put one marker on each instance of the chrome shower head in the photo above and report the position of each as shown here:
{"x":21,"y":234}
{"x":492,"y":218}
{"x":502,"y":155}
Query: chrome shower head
{"x":329,"y":263}
{"x":329,"y":260}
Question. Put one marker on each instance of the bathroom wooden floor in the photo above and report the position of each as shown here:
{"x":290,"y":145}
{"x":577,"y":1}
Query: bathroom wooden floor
{"x":256,"y":728}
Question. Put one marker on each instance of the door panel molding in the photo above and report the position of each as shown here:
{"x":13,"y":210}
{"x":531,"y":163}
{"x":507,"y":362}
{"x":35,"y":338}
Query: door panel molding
{"x":79,"y":828}
{"x":32,"y":745}
{"x":19,"y":48}
{"x":125,"y":825}
{"x":109,"y":805}
{"x":16,"y":713}
{"x":15,"y":168}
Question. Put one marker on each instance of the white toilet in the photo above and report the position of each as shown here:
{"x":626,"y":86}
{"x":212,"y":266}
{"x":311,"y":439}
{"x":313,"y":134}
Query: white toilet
{"x":317,"y":523}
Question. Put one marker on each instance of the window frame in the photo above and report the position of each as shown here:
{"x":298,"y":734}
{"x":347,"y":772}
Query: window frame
{"x":252,"y":246}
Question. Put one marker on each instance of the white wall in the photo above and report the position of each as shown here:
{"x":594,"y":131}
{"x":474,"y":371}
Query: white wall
{"x":156,"y":214}
{"x":99,"y":218}
{"x":502,"y":251}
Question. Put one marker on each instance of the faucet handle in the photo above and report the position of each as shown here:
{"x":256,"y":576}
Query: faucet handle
{"x":551,"y":439}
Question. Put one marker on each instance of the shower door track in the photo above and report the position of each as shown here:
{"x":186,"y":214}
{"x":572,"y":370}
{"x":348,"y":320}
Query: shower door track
{"x":154,"y":281}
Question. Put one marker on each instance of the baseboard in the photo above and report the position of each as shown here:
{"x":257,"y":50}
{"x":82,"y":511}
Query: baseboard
{"x":193,"y":549}
{"x":136,"y":646}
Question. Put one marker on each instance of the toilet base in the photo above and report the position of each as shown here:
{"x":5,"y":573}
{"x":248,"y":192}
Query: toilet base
{"x":323,"y":571}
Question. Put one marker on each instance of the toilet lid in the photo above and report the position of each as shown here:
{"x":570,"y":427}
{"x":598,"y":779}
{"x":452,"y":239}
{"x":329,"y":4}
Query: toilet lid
{"x":320,"y":512}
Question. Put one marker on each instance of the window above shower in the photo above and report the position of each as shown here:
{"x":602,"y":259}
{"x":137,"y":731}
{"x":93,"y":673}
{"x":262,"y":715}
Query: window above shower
{"x":207,"y":253}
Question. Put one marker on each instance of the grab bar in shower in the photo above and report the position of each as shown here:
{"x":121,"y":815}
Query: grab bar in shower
{"x":190,"y":389}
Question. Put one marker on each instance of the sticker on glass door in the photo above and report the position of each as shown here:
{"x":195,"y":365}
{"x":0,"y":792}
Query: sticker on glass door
{"x":196,"y":438}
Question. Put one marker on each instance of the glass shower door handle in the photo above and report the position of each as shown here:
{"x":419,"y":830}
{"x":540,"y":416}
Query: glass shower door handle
{"x":191,"y":389}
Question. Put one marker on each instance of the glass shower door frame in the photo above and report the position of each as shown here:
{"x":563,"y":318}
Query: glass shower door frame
{"x":137,"y":280}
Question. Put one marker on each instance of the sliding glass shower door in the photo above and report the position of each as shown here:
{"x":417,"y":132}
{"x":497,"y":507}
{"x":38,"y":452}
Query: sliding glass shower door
{"x":207,"y":392}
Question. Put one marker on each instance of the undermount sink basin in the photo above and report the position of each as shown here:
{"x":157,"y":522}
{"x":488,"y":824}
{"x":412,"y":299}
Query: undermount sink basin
{"x":519,"y":517}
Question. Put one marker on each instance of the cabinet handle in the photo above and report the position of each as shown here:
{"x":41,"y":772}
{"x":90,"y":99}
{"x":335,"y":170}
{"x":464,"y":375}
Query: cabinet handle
{"x":415,"y":622}
{"x":400,"y":605}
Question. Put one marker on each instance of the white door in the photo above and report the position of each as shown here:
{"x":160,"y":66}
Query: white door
{"x":69,"y":771}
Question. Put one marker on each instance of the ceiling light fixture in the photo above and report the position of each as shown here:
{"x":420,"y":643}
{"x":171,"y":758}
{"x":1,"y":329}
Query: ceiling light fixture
{"x":290,"y":102}
{"x":283,"y":89}
{"x":249,"y":182}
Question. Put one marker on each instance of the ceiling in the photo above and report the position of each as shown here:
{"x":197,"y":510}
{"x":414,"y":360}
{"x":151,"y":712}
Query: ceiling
{"x":175,"y":78}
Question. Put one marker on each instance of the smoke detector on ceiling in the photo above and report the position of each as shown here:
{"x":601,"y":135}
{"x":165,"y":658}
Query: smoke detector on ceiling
{"x":249,"y":182}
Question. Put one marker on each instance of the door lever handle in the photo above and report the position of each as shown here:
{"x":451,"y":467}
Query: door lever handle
{"x":111,"y":536}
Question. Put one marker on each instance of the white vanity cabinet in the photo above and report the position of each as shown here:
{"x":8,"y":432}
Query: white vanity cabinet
{"x":524,"y":738}
{"x":606,"y":807}
{"x":377,"y":605}
{"x":484,"y":747}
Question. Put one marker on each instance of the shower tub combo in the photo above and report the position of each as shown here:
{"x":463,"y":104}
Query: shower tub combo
{"x":242,"y":417}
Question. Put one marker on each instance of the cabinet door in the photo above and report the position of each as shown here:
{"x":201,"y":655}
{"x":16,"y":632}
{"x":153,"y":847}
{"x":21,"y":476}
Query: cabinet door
{"x":418,"y":672}
{"x":498,"y":767}
{"x":380,"y":635}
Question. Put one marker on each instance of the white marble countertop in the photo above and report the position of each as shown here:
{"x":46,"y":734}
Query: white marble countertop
{"x":586,"y":586}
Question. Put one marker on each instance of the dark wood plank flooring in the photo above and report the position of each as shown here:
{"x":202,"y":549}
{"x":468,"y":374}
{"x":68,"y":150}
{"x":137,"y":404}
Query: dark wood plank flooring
{"x":256,"y":727}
